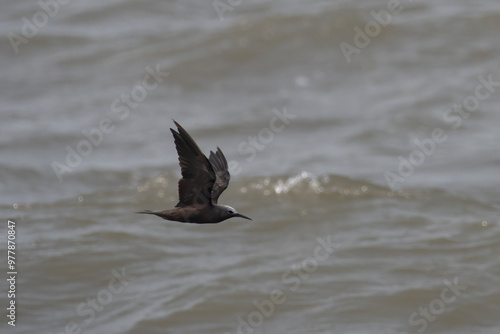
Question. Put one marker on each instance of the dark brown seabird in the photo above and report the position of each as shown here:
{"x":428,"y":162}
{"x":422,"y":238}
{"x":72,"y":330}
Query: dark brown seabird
{"x":202,"y":182}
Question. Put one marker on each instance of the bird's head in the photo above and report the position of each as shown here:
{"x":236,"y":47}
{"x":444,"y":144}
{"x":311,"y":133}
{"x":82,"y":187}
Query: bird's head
{"x":229,"y":212}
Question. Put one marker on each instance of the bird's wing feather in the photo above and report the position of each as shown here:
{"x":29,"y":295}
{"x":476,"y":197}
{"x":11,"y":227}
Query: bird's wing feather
{"x":221,"y":169}
{"x":198,"y":176}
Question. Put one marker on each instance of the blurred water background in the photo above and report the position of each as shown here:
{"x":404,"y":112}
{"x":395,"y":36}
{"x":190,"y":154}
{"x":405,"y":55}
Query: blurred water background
{"x":363,"y":139}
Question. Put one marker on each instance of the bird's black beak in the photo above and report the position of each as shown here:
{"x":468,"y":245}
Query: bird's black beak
{"x":241,"y":216}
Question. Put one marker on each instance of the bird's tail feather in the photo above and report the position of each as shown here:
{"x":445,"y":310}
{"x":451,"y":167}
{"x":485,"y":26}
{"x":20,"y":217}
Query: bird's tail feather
{"x":147,"y":212}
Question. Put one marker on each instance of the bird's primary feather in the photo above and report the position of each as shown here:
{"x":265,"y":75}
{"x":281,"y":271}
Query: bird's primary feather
{"x":198,"y":176}
{"x":221,"y":169}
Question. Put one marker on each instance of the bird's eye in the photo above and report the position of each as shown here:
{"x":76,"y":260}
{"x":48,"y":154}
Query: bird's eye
{"x":229,"y":211}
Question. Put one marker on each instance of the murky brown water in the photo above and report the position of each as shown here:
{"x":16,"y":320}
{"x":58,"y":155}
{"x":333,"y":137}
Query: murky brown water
{"x":365,"y":151}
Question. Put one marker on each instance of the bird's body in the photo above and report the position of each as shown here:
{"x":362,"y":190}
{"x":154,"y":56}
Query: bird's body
{"x":202,"y":182}
{"x":195,"y":214}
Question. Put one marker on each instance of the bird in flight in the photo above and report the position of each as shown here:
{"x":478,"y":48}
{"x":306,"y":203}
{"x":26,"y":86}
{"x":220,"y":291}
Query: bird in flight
{"x":202,"y":182}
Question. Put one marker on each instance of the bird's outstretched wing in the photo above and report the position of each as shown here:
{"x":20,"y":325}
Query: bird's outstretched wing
{"x":221,"y":169}
{"x":198,"y":176}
